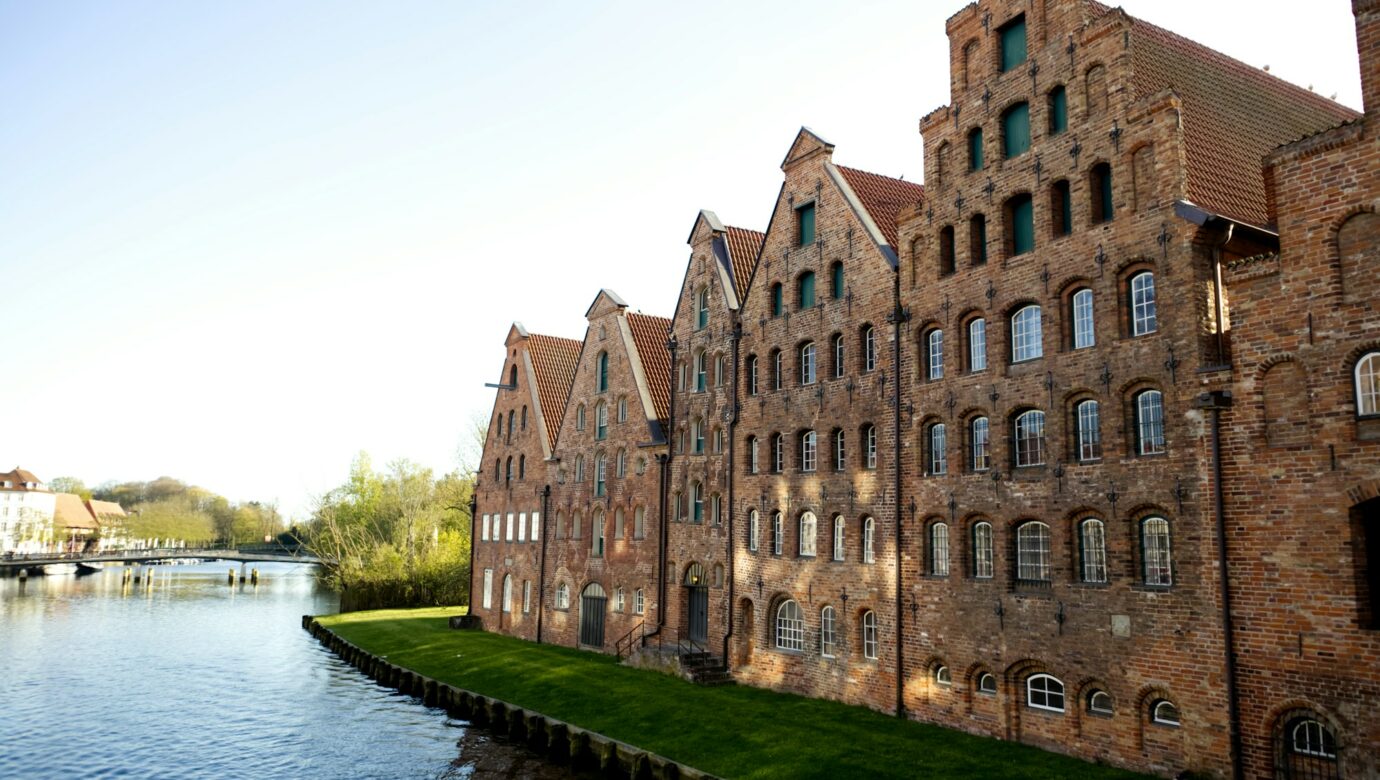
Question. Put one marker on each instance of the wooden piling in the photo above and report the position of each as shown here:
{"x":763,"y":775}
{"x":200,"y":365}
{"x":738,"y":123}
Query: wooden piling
{"x":231,"y":579}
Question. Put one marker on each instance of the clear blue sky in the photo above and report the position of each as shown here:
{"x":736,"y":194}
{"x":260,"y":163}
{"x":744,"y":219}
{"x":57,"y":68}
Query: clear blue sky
{"x":241,"y":241}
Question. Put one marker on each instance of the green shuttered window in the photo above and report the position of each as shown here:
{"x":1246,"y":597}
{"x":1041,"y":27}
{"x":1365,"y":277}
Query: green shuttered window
{"x":975,"y":149}
{"x":1012,"y":44}
{"x":1020,"y":215}
{"x":1015,"y":130}
{"x":807,"y":290}
{"x":805,"y":218}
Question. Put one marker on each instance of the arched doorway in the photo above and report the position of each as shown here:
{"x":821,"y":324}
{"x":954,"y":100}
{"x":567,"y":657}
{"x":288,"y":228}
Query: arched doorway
{"x":593,"y":600}
{"x":697,"y":603}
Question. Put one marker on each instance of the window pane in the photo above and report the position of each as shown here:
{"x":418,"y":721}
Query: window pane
{"x":1030,"y":439}
{"x":939,"y":550}
{"x":939,"y":460}
{"x":1015,"y":124}
{"x":936,"y":354}
{"x":1368,"y":384}
{"x":977,"y":345}
{"x":1083,"y":335}
{"x":1150,"y":422}
{"x":1089,"y":431}
{"x":1026,"y":335}
{"x":982,"y":457}
{"x":1032,"y":552}
{"x":1143,"y":319}
{"x":807,"y":364}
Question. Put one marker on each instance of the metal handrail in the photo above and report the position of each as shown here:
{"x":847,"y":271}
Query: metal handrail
{"x":627,"y":638}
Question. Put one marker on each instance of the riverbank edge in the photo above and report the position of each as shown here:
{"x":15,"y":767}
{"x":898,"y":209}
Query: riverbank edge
{"x":556,"y":739}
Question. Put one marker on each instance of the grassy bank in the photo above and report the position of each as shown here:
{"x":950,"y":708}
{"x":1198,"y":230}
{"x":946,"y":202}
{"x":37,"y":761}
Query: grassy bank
{"x":734,"y":731}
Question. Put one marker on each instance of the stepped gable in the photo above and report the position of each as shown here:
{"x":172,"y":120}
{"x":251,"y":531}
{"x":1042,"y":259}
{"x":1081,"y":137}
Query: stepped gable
{"x":883,"y":197}
{"x":743,"y":248}
{"x":554,"y":360}
{"x":649,"y":337}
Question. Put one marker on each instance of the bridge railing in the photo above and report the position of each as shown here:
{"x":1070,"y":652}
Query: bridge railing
{"x":294,"y":551}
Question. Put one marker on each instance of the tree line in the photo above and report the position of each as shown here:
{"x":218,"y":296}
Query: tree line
{"x":168,"y":508}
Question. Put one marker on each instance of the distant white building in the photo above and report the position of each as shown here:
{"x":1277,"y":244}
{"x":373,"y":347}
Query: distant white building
{"x":27,"y":507}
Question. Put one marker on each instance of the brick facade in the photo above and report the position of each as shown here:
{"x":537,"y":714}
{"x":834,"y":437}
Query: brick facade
{"x":1033,"y":549}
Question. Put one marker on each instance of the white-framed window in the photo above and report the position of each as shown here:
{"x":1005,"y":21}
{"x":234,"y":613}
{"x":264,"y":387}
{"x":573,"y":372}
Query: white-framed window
{"x":1143,"y":317}
{"x":807,"y":363}
{"x":696,"y":502}
{"x":622,"y":410}
{"x":1149,"y":422}
{"x":720,"y":370}
{"x":808,"y":451}
{"x":1044,"y":692}
{"x":1155,"y":558}
{"x":597,"y":533}
{"x":753,"y":465}
{"x":701,"y":371}
{"x":562,"y":596}
{"x":1309,"y":737}
{"x":938,"y":449}
{"x":839,"y":525}
{"x":838,"y":356}
{"x":778,"y":453}
{"x":778,"y":533}
{"x":790,"y":626}
{"x":639,"y":602}
{"x":1081,"y":304}
{"x":939,"y":550}
{"x":869,"y":635}
{"x":983,"y":566}
{"x":778,"y":370}
{"x":718,"y":440}
{"x":840,"y":450}
{"x":526,"y":597}
{"x":934,"y":354}
{"x":752,"y":375}
{"x":622,"y":468}
{"x":1030,"y":438}
{"x":869,"y":437}
{"x":697,"y":435}
{"x":601,"y":421}
{"x":943,"y":677}
{"x":601,"y":474}
{"x":977,"y":345}
{"x":809,"y":532}
{"x":1368,"y":385}
{"x":979,"y":435}
{"x":716,"y":509}
{"x":754,"y":530}
{"x":1092,"y":540}
{"x":508,"y":593}
{"x":522,"y":527}
{"x":618,"y":599}
{"x":508,"y":528}
{"x":869,"y":342}
{"x":488,"y":589}
{"x":702,"y":308}
{"x":869,"y":546}
{"x":1026,"y":334}
{"x":1100,"y":702}
{"x":485,"y":533}
{"x":1164,"y":713}
{"x":987,"y":683}
{"x":1032,"y":552}
{"x":580,"y":417}
{"x":1088,"y":419}
{"x":828,"y":639}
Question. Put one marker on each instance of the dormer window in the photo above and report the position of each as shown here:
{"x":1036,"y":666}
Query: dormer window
{"x":1012,"y":36}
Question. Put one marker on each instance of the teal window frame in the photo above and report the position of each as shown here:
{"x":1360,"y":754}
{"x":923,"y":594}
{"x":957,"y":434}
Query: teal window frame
{"x":1015,"y":130}
{"x":836,"y":282}
{"x":805,"y":224}
{"x":603,"y":377}
{"x":776,"y":302}
{"x":1012,"y":42}
{"x":1058,"y":103}
{"x":975,"y":149}
{"x":805,"y":298}
{"x":1020,"y":213}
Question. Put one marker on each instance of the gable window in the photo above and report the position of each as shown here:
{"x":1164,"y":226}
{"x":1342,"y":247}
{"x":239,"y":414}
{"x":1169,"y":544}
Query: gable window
{"x":1015,"y":130}
{"x":701,"y":371}
{"x":807,"y":363}
{"x":524,"y":417}
{"x":1154,"y":545}
{"x":1020,"y":225}
{"x":1100,"y":188}
{"x":934,"y":352}
{"x":580,"y":417}
{"x":754,"y":530}
{"x":778,"y":534}
{"x":1061,"y":208}
{"x":622,"y":410}
{"x":1149,"y":422}
{"x":808,"y":451}
{"x":983,"y":565}
{"x":839,"y":524}
{"x":1057,"y":103}
{"x":980,"y":444}
{"x":975,"y":149}
{"x":1030,"y":438}
{"x":601,"y":421}
{"x":977,"y":345}
{"x":1012,"y":40}
{"x":602,"y":380}
{"x":836,"y":280}
{"x":1027,"y":337}
{"x":1044,"y":692}
{"x":776,"y":304}
{"x":977,"y":240}
{"x":937,"y":441}
{"x":1088,"y":423}
{"x":805,"y":290}
{"x":805,"y":224}
{"x":828,"y":640}
{"x":838,"y":356}
{"x":809,"y":530}
{"x":752,"y":455}
{"x":946,"y":250}
{"x":869,"y":635}
{"x":840,"y":450}
{"x":1092,"y":541}
{"x":777,"y":372}
{"x":869,"y":438}
{"x":1368,"y":385}
{"x":752,"y":375}
{"x":939,"y":550}
{"x":1081,"y":311}
{"x":696,"y":502}
{"x":697,"y":435}
{"x":790,"y":626}
{"x":1143,"y":319}
{"x":778,"y":453}
{"x":1032,"y":552}
{"x":869,"y":340}
{"x":869,"y":540}
{"x":601,"y":473}
{"x":702,"y":308}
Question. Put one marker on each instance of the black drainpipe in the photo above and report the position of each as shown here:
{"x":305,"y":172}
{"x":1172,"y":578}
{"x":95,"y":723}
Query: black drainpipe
{"x":732,"y":447}
{"x":474,"y":514}
{"x":541,"y":564}
{"x":1215,"y":402}
{"x":899,"y":317}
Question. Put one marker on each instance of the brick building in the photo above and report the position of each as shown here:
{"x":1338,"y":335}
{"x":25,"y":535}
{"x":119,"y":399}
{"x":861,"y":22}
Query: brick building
{"x":1022,"y":452}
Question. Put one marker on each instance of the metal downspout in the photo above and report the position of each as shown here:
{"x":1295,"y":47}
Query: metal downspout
{"x":1215,"y":402}
{"x":732,"y":447}
{"x":474,"y":514}
{"x":899,"y":317}
{"x":541,"y":565}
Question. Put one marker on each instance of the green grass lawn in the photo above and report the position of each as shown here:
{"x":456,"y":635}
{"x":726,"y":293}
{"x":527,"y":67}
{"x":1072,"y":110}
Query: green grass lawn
{"x":733,"y":731}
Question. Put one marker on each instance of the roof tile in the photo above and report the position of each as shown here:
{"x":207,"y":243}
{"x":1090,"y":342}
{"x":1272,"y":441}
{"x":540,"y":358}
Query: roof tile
{"x":554,"y":360}
{"x":649,"y":338}
{"x":883,"y":197}
{"x":743,"y":248}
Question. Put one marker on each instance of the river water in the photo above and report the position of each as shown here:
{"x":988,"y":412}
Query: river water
{"x":190,"y":677}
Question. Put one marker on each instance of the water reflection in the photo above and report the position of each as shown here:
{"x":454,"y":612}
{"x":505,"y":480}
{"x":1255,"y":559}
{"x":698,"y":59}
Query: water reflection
{"x":187,"y":676}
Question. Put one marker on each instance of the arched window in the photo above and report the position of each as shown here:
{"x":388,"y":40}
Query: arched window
{"x":1099,"y":702}
{"x":1087,"y":422}
{"x":1030,"y":438}
{"x":1020,"y":224}
{"x":507,"y":593}
{"x":1100,"y":190}
{"x":778,"y":453}
{"x":718,"y":440}
{"x":977,"y":240}
{"x":1092,"y":547}
{"x":512,"y":377}
{"x":840,"y":450}
{"x":1368,"y":385}
{"x":1095,"y":82}
{"x":869,"y":635}
{"x":522,"y":467}
{"x":696,"y":502}
{"x":947,"y":263}
{"x":524,"y":417}
{"x":869,"y":441}
{"x":601,"y":421}
{"x":577,"y":526}
{"x":1164,"y":713}
{"x":934,"y":354}
{"x":1149,"y":422}
{"x":697,"y":435}
{"x":977,"y":345}
{"x":1044,"y":692}
{"x":1155,"y":557}
{"x":790,"y":626}
{"x":508,"y":470}
{"x":939,"y":550}
{"x":869,"y":540}
{"x":754,"y":530}
{"x":805,"y":290}
{"x":1027,"y":336}
{"x":1057,"y":106}
{"x":808,"y":451}
{"x":500,"y":426}
{"x":597,"y":533}
{"x":562,"y":596}
{"x":776,"y":301}
{"x":702,"y":308}
{"x":701,"y":371}
{"x":1060,"y":208}
{"x":943,"y":677}
{"x":1081,"y":316}
{"x":979,"y":444}
{"x":869,"y":345}
{"x":828,"y":639}
{"x":753,"y":464}
{"x":987,"y":683}
{"x":836,"y":280}
{"x":720,"y":370}
{"x":807,"y":363}
{"x":983,"y":565}
{"x":1143,"y":319}
{"x":498,"y":469}
{"x":778,"y":534}
{"x":580,"y":417}
{"x":618,"y":600}
{"x":752,"y":375}
{"x":1015,"y":130}
{"x":620,"y":524}
{"x":975,"y":149}
{"x":809,"y":532}
{"x":778,"y":373}
{"x":639,"y":523}
{"x":579,"y":468}
{"x":1307,"y":743}
{"x":622,"y":470}
{"x":602,"y":381}
{"x":716,"y":509}
{"x":1032,"y":552}
{"x":839,"y":524}
{"x":936,"y":445}
{"x":639,"y":602}
{"x":601,"y":473}
{"x":510,"y":426}
{"x":622,"y":410}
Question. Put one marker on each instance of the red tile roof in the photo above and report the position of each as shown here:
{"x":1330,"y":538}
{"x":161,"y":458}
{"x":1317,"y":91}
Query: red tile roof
{"x":649,"y":337}
{"x":19,"y":478}
{"x":743,"y":247}
{"x":554,"y":360}
{"x":1233,"y":115}
{"x":883,"y":197}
